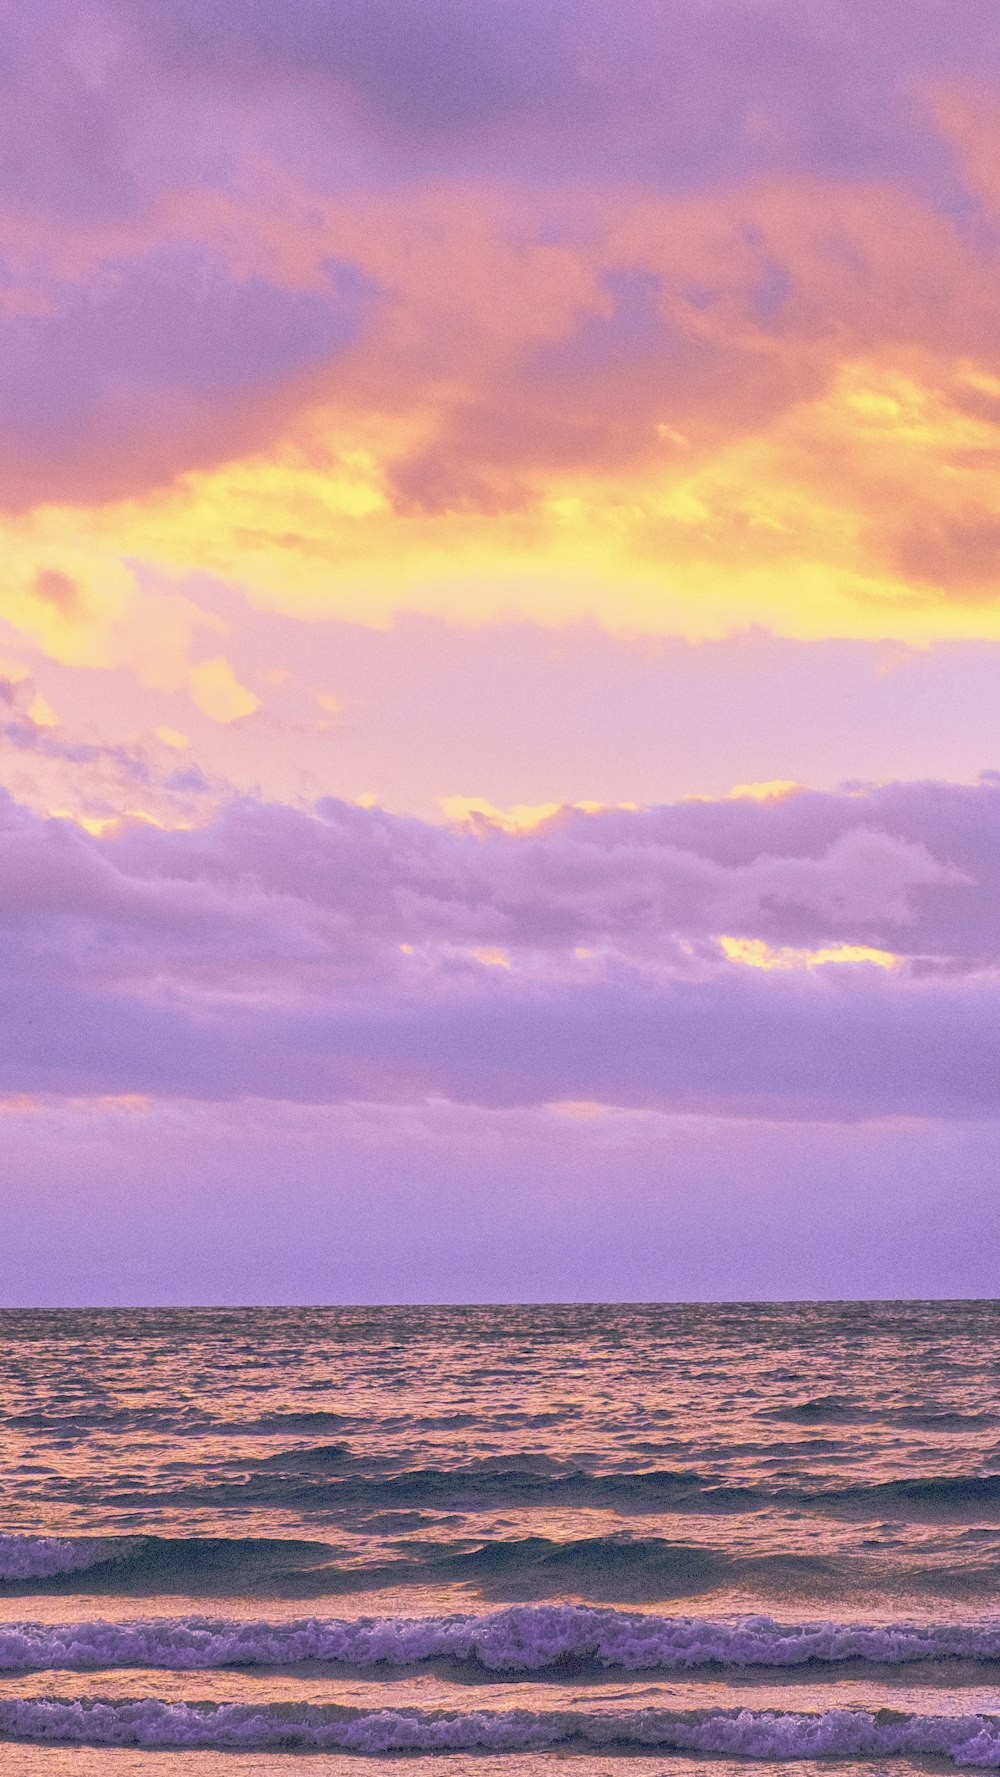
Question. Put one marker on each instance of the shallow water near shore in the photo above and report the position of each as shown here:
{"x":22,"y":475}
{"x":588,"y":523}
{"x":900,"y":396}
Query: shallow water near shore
{"x":514,"y":1539}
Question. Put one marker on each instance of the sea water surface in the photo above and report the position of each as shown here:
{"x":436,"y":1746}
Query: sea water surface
{"x":503,"y":1539}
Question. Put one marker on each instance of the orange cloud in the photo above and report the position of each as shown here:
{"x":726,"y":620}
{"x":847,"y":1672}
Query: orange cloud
{"x":218,"y":693}
{"x":776,"y":404}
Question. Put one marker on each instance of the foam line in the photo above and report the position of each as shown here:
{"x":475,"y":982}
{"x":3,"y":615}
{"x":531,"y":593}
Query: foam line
{"x":525,"y":1638}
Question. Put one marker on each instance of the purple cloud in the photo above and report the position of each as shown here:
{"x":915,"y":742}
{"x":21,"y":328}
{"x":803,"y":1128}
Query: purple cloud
{"x":672,"y":93}
{"x":850,"y":1045}
{"x":901,"y":868}
{"x":350,"y":954}
{"x":155,"y":364}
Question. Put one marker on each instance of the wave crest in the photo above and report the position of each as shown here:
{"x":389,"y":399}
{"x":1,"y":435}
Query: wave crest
{"x":967,"y":1740}
{"x":523,"y":1639}
{"x":41,"y":1557}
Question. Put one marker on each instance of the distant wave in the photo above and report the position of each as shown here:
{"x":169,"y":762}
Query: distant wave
{"x":660,"y":1490}
{"x":333,"y":1476}
{"x":918,"y":1496}
{"x":330,"y":1476}
{"x":968,"y":1740}
{"x":525,"y":1639}
{"x":836,"y":1409}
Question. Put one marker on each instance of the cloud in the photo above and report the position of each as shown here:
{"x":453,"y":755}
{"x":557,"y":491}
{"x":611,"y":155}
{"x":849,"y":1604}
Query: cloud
{"x":152,"y":364}
{"x":671,"y":315}
{"x":218,"y":693}
{"x":68,"y":113}
{"x":953,"y":551}
{"x":633,"y":432}
{"x":672,"y":95}
{"x":455,"y":81}
{"x":53,"y":768}
{"x":348,"y":954}
{"x":773,"y":1046}
{"x":600,"y":718}
{"x":632,"y":880}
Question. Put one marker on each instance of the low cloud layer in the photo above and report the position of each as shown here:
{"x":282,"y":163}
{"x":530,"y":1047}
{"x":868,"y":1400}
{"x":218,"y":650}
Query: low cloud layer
{"x":341,"y":953}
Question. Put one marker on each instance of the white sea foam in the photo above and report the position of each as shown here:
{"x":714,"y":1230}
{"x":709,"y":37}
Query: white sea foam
{"x":968,"y":1740}
{"x":525,"y":1638}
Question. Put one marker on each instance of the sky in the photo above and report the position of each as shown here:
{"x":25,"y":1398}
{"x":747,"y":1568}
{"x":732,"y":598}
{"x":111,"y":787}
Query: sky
{"x":499,"y":650}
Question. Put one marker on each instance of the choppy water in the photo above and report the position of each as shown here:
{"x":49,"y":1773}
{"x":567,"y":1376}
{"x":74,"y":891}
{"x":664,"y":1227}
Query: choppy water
{"x":514,"y":1539}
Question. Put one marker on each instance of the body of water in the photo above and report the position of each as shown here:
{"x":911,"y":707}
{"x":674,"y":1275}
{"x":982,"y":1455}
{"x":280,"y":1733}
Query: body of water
{"x":507,"y":1539}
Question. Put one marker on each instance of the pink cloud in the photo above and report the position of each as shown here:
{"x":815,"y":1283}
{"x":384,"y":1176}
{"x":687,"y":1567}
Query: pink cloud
{"x":157,"y":362}
{"x":264,"y":207}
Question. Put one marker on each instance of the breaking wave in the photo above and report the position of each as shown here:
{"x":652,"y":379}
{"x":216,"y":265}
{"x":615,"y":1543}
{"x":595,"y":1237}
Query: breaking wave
{"x":967,"y":1740}
{"x":139,"y":1564}
{"x":41,"y":1557}
{"x":525,"y":1639}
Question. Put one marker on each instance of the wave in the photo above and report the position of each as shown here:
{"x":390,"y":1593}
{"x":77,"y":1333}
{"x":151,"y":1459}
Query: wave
{"x":149,"y":1563}
{"x":919,"y":1496}
{"x":967,"y":1740}
{"x":525,"y":1639}
{"x":615,"y":1569}
{"x":41,"y":1557}
{"x":332,"y":1478}
{"x":837,"y":1409}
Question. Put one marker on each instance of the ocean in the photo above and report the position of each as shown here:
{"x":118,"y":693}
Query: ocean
{"x":508,"y":1540}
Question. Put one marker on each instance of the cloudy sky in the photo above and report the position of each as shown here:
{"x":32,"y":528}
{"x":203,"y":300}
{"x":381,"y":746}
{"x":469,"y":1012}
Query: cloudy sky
{"x":499,"y":649}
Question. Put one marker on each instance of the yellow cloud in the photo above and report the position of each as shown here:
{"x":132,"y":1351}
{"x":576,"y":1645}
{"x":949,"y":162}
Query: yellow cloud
{"x":521,"y":817}
{"x":492,"y":957}
{"x":218,"y":693}
{"x":64,"y":596}
{"x":753,"y":953}
{"x":94,"y":824}
{"x":98,"y":824}
{"x":815,"y":524}
{"x":773,"y":790}
{"x":68,"y":592}
{"x":40,"y":712}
